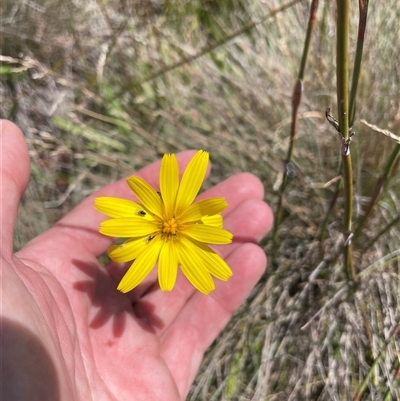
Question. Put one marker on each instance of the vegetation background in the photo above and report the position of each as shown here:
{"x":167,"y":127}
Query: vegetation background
{"x":101,"y":88}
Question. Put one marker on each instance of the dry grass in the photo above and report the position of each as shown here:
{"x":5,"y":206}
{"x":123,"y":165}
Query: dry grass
{"x":74,"y":77}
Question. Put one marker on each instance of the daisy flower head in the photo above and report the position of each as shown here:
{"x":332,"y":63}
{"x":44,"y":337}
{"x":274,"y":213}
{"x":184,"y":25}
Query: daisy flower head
{"x":168,"y":228}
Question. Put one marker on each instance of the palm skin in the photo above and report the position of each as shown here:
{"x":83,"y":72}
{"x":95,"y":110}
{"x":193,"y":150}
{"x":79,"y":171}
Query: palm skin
{"x":68,"y":334}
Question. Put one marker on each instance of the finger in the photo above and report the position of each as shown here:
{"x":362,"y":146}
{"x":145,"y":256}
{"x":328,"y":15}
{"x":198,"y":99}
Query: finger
{"x":250,"y":222}
{"x":159,"y":308}
{"x":79,"y":228}
{"x":14,"y":177}
{"x":236,"y":190}
{"x":204,"y":316}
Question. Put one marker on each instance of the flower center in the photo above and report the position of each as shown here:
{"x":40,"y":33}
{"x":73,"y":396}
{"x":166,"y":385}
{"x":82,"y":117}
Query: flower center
{"x":170,"y":226}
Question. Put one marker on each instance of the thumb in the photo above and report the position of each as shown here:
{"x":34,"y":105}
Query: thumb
{"x":14,"y":176}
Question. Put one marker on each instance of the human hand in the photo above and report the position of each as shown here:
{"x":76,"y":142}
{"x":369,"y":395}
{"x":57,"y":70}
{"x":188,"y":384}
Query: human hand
{"x":68,"y":334}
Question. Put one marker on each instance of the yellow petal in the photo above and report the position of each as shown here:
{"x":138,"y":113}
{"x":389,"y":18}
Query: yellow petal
{"x":193,"y":268}
{"x":214,"y":263}
{"x":117,"y":207}
{"x":127,"y":251}
{"x":192,"y":180}
{"x":146,"y":194}
{"x":218,"y":267}
{"x":169,"y":182}
{"x":142,"y":266}
{"x":215,"y":221}
{"x":167,"y":266}
{"x":205,"y":207}
{"x":207,"y":234}
{"x":128,"y":227}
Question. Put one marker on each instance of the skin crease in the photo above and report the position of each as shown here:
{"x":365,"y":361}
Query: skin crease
{"x":68,"y":334}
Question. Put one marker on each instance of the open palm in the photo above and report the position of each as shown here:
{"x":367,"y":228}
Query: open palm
{"x":68,"y":334}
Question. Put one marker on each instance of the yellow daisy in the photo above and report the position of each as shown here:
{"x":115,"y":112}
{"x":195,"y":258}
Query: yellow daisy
{"x":168,"y":228}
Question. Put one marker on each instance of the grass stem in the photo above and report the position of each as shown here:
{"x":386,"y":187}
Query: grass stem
{"x":362,"y":24}
{"x":342,"y":77}
{"x":296,"y":100}
{"x":363,"y":10}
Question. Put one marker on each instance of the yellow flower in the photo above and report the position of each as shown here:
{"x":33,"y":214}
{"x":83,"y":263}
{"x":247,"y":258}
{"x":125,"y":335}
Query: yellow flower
{"x":168,"y":228}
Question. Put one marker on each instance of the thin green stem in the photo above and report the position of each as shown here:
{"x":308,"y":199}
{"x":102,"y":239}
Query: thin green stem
{"x":310,"y":27}
{"x":363,"y":10}
{"x":362,"y":24}
{"x":296,"y":100}
{"x":342,"y":77}
{"x":342,"y":65}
